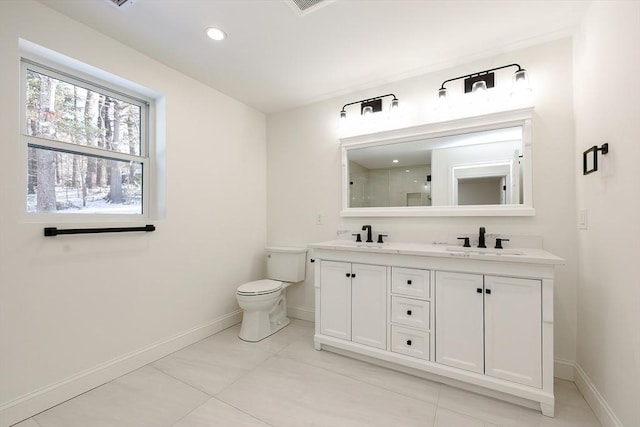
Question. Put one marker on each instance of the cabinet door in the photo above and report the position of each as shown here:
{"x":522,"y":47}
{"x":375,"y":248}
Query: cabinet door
{"x":513,"y":329}
{"x":335,"y":299}
{"x":459,"y":320}
{"x":369,"y":305}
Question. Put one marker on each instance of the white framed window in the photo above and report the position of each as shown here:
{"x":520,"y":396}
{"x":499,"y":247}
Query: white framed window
{"x":87,"y":145}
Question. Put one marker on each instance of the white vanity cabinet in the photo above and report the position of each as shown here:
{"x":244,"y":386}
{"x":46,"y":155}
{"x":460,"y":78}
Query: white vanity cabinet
{"x":355,"y":297}
{"x":490,"y":325}
{"x":481,"y":321}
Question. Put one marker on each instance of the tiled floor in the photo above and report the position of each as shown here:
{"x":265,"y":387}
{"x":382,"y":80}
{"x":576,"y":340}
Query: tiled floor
{"x":283,"y":382}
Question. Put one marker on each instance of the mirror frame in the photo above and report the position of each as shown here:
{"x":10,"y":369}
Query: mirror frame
{"x":519,"y":117}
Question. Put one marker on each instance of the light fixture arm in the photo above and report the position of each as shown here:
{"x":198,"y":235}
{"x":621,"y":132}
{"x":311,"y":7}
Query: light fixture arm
{"x":481,"y":73}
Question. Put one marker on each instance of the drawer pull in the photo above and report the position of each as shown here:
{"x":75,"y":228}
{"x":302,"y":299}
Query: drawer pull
{"x":408,"y":342}
{"x":408,"y":312}
{"x":408,"y":282}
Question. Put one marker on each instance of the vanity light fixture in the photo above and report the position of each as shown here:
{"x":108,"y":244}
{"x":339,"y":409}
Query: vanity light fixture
{"x":483,"y":80}
{"x":371,"y":105}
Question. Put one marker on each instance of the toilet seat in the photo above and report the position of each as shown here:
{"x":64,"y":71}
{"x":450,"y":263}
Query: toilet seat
{"x":260,"y":287}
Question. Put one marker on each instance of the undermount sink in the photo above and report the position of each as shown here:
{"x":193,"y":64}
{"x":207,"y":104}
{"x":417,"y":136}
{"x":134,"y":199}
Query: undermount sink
{"x":483,"y":251}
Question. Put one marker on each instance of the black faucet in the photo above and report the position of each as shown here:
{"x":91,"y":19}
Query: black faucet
{"x":368,"y":228}
{"x":481,"y":243}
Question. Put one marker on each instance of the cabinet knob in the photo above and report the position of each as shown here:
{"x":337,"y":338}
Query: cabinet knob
{"x":408,"y":342}
{"x":408,"y":282}
{"x":408,"y":312}
{"x":353,"y":275}
{"x":488,"y":291}
{"x":479,"y":290}
{"x":348,"y":274}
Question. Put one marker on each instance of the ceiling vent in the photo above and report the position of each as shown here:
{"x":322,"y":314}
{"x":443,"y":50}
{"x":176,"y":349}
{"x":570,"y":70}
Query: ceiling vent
{"x":121,"y":3}
{"x":304,"y":7}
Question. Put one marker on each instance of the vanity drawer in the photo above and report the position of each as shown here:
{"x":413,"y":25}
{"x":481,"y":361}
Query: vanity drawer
{"x":410,"y":342}
{"x":410,"y":312}
{"x":410,"y":282}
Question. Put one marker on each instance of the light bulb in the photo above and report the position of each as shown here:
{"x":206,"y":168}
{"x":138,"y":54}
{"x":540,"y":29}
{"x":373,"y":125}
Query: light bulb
{"x":479,"y":86}
{"x":520,"y":85}
{"x":367,"y":110}
{"x":395,"y":112}
{"x":479,"y":92}
{"x":442,"y":99}
{"x":343,"y":119}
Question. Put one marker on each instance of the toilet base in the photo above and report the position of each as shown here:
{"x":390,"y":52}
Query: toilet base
{"x":259,"y":324}
{"x":249,"y":334}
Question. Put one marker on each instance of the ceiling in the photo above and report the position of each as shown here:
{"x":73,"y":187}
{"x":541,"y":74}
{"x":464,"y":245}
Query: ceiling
{"x":276,"y":58}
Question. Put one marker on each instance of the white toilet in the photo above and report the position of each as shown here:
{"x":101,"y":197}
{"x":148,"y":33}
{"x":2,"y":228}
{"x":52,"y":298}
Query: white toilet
{"x":264,"y":301}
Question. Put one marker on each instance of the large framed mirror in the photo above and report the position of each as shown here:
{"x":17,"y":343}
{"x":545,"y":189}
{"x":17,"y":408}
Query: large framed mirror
{"x":477,"y":166}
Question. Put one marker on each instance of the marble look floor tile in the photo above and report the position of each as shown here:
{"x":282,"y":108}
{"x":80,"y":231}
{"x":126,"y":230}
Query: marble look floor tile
{"x":447,"y":418}
{"x":215,"y":413}
{"x":27,"y":423}
{"x":283,"y":381}
{"x":215,"y":362}
{"x":408,"y":385}
{"x":565,"y":416}
{"x":145,"y":397}
{"x":288,"y":393}
{"x":566,"y":393}
{"x":212,"y":364}
{"x":477,"y":406}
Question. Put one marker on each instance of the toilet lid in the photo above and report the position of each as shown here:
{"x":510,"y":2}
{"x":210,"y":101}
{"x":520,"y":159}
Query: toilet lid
{"x":257,"y":287}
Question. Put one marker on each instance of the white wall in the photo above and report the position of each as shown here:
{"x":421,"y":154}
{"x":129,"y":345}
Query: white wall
{"x":304,"y":166}
{"x":607,"y":109}
{"x":76,"y":305}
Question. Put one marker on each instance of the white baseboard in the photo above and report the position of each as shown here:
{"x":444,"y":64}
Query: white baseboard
{"x":564,"y":369}
{"x":302,"y":313}
{"x":46,"y":397}
{"x":600,"y":407}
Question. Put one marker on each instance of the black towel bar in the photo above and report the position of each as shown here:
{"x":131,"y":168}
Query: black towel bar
{"x":54,"y":231}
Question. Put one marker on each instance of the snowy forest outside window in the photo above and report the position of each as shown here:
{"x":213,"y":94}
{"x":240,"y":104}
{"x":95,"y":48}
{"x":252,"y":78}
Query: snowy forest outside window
{"x":87,"y":145}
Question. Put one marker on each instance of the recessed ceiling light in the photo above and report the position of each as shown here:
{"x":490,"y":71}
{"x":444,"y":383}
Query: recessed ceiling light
{"x":395,"y":161}
{"x":216,"y":34}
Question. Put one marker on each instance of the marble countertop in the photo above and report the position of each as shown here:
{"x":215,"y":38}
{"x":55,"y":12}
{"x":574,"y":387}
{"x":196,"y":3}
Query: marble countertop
{"x":526,"y":255}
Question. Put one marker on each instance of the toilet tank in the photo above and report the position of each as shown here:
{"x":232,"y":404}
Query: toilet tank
{"x":286,"y":263}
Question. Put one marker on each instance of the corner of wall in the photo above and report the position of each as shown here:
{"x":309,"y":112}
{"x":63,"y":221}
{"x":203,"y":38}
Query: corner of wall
{"x":598,"y":404}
